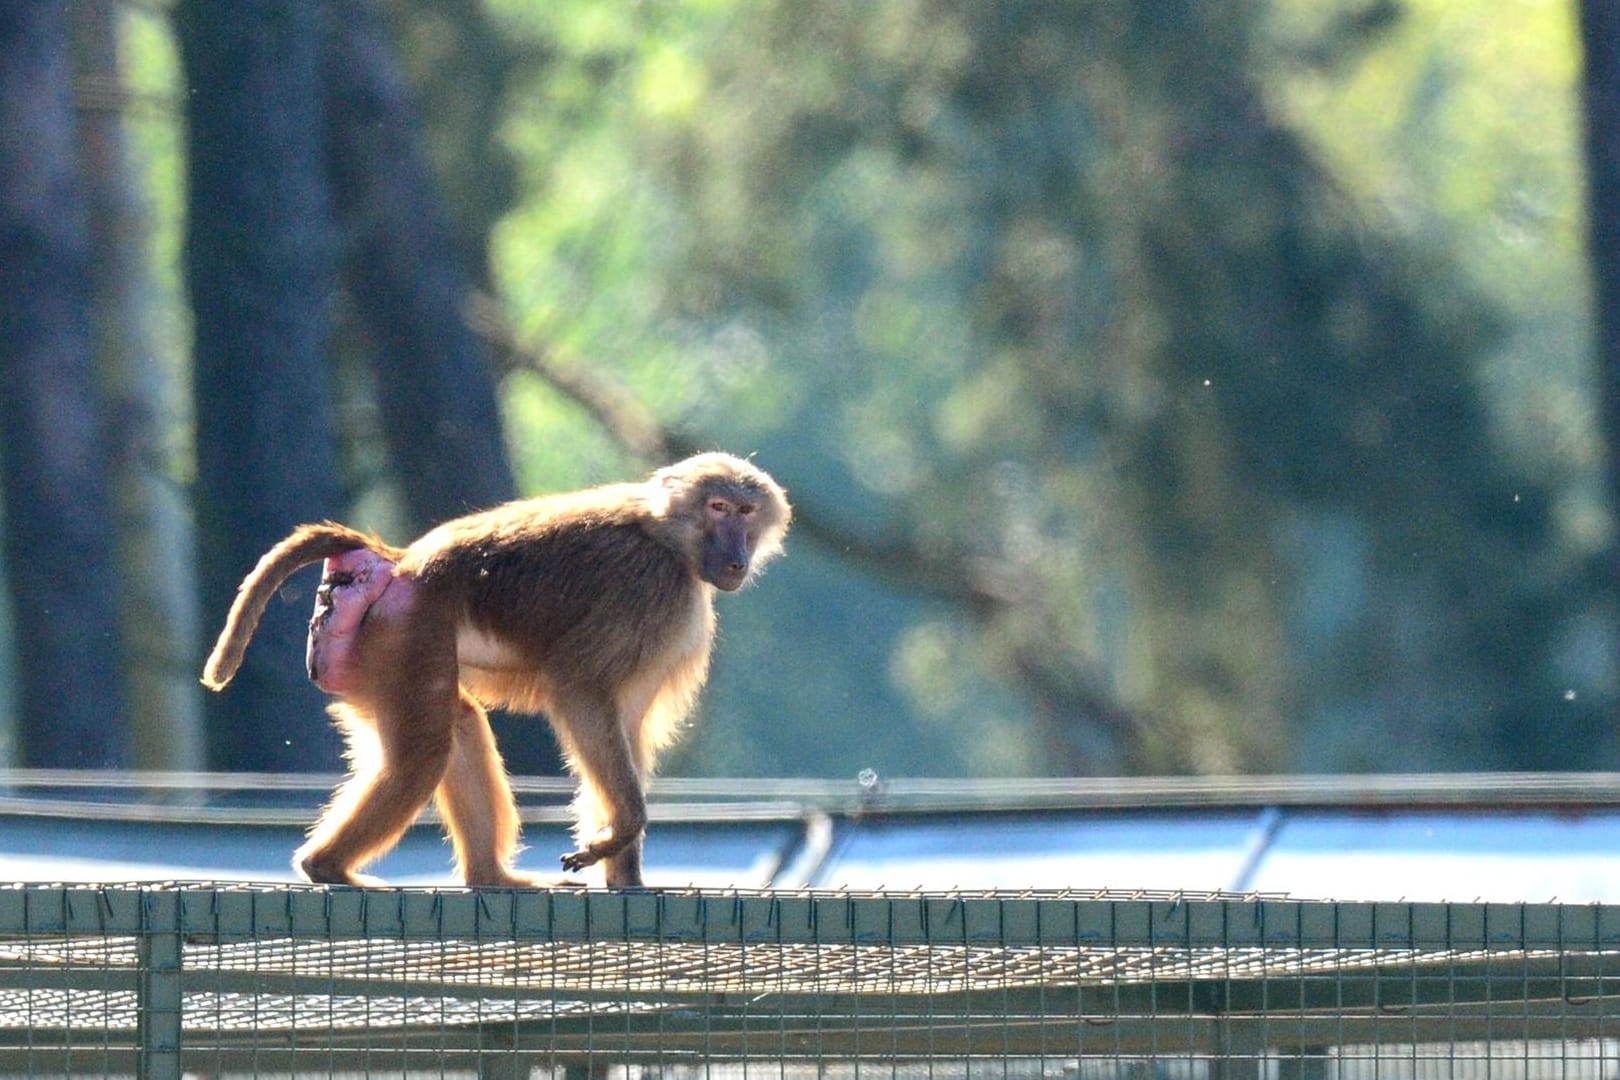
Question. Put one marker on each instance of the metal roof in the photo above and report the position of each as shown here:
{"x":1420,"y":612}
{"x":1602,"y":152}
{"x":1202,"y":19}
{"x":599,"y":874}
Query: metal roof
{"x":1498,"y":837}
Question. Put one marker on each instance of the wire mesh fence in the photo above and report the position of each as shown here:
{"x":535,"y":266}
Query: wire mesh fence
{"x":171,"y":980}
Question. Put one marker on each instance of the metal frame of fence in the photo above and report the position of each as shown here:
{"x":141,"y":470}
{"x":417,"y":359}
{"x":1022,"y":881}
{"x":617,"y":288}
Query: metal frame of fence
{"x":161,"y":980}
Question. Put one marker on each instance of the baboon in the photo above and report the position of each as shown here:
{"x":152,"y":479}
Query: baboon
{"x":595,"y":608}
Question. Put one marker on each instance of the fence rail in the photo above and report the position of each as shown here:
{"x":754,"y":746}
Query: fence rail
{"x":157,"y":980}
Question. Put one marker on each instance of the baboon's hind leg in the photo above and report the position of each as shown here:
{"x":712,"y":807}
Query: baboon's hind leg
{"x":475,"y":800}
{"x":411,"y":718}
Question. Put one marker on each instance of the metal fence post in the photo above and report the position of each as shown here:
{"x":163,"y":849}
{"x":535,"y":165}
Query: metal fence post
{"x":158,"y":1002}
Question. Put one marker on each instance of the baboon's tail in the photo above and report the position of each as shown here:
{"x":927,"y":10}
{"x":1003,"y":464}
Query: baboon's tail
{"x":307,"y":544}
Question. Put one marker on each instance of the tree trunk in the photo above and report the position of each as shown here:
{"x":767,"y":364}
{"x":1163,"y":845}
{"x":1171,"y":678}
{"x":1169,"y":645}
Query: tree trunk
{"x":1600,"y":40}
{"x":158,"y":611}
{"x":435,"y":382}
{"x":434,"y":378}
{"x":260,"y":265}
{"x":58,"y":522}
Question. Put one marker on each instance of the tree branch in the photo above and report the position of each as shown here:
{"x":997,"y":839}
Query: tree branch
{"x":979,"y":583}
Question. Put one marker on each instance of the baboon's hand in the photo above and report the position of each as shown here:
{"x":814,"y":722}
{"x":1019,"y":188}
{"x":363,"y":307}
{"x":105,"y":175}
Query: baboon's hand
{"x":575,"y":861}
{"x":607,"y":843}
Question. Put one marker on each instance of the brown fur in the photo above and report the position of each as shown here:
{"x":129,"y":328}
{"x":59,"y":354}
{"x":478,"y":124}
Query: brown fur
{"x":595,"y":608}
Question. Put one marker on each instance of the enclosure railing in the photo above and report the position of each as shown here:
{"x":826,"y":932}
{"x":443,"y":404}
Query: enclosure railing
{"x":160,"y":980}
{"x":156,"y":795}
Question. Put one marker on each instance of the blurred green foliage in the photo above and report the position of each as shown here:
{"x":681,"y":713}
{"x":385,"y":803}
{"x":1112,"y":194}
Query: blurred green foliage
{"x":1195,"y":386}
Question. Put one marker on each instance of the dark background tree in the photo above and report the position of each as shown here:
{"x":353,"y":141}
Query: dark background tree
{"x":261,"y":269}
{"x":319,"y":182}
{"x":1600,"y":107}
{"x":53,"y":443}
{"x":411,"y":289}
